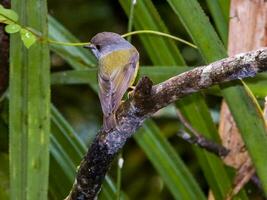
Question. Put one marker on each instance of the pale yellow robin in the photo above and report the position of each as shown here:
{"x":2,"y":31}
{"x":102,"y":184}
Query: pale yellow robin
{"x":118,"y":62}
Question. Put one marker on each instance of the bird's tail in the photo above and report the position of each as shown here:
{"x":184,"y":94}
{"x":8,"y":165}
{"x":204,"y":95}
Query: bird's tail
{"x":109,"y":122}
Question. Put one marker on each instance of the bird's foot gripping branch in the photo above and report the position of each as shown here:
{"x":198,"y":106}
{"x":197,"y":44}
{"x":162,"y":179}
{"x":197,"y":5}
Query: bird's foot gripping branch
{"x":146,"y":100}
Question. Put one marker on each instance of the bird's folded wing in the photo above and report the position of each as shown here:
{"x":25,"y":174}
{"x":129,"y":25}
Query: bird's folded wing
{"x":113,"y":87}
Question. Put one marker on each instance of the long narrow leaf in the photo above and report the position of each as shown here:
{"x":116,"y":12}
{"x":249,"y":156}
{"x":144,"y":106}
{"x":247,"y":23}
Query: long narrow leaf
{"x":221,"y":22}
{"x":29,"y":107}
{"x":225,"y":7}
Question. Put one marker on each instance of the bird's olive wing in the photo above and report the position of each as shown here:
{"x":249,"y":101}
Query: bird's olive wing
{"x":113,"y":87}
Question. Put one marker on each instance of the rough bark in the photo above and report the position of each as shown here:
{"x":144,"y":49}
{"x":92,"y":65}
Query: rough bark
{"x":146,"y":100}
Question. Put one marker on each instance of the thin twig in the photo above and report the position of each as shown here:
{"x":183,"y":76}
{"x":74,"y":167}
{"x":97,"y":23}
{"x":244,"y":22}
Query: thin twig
{"x":204,"y":143}
{"x":186,"y":123}
{"x":199,"y":140}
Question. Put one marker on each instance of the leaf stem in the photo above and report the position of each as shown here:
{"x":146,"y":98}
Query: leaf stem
{"x":67,"y":43}
{"x":160,"y":34}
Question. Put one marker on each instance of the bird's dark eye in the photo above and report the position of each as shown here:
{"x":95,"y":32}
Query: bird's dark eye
{"x":98,"y":47}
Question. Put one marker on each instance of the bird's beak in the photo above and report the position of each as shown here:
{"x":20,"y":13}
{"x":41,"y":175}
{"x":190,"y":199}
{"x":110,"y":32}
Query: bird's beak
{"x":89,"y":46}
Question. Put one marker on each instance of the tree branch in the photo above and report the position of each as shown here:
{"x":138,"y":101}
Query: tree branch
{"x":146,"y":100}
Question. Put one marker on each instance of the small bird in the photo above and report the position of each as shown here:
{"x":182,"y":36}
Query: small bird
{"x":118,"y":63}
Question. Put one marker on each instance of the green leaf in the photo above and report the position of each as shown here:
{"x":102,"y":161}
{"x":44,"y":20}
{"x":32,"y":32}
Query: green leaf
{"x":8,"y":14}
{"x":27,"y":37}
{"x":12,"y":28}
{"x":221,"y":22}
{"x":225,"y":7}
{"x":29,"y":107}
{"x":258,"y":85}
{"x":2,"y":19}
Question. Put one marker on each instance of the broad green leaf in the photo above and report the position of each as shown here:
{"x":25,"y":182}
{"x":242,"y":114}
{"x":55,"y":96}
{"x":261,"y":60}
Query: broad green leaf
{"x":242,"y":106}
{"x":29,"y":106}
{"x":12,"y":28}
{"x":27,"y":37}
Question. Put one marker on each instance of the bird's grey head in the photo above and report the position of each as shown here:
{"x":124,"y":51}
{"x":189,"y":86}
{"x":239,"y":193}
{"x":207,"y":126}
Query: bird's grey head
{"x":106,"y":42}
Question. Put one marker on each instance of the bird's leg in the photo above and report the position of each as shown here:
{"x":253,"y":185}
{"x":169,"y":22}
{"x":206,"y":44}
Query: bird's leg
{"x":130,"y":93}
{"x":131,"y":88}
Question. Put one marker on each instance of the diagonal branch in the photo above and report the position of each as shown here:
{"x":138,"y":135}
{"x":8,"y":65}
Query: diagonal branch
{"x":146,"y":100}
